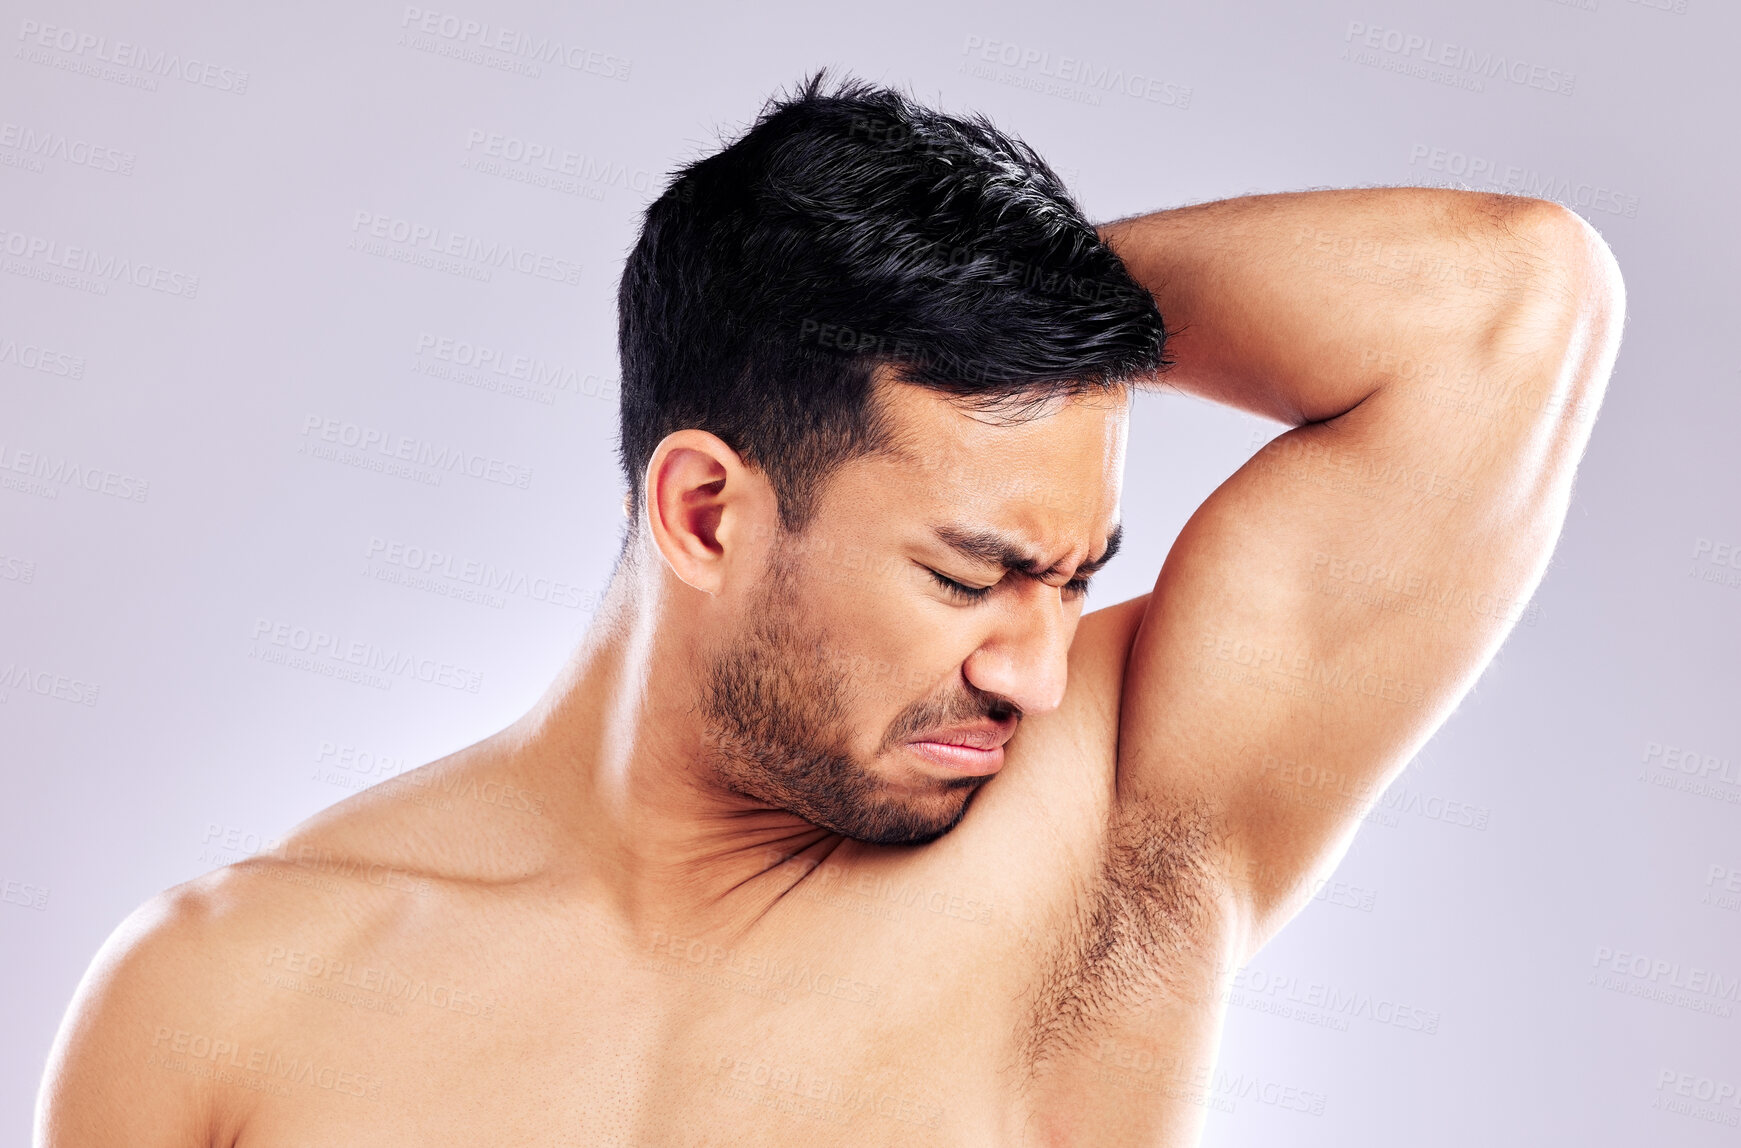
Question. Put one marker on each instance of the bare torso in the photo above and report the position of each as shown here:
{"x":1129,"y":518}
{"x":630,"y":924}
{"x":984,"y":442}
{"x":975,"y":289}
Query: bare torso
{"x":426,"y":964}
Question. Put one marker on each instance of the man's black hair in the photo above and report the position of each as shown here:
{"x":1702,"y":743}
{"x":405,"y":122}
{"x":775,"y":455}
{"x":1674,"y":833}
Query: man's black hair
{"x":853,"y":229}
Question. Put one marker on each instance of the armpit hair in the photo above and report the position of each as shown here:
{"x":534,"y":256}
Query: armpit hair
{"x":1135,"y":926}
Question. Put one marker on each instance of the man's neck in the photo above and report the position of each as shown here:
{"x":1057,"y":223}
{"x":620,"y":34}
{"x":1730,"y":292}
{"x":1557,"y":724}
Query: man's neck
{"x":619,"y":738}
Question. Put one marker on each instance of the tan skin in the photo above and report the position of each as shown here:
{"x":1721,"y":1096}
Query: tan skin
{"x":570,"y":933}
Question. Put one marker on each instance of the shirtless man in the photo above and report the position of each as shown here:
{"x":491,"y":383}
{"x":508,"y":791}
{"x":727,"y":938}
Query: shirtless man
{"x":843,"y":826}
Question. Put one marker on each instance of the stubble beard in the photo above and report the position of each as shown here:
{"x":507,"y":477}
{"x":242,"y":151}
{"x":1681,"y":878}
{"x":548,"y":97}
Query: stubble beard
{"x":776,"y":706}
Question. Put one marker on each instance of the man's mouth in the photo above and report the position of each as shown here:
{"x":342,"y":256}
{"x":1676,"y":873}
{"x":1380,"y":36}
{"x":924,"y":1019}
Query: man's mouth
{"x":974,"y":750}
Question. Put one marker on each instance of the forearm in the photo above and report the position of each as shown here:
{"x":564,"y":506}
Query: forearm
{"x":1299,"y":306}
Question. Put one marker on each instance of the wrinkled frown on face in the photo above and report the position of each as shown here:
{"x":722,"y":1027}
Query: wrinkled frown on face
{"x":927,"y":607}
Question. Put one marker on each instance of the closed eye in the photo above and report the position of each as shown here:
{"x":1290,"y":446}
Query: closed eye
{"x":957,"y":590}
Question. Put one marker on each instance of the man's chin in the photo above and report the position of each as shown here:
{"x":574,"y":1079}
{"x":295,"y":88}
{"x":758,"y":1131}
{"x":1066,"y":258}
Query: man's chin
{"x":909,"y":814}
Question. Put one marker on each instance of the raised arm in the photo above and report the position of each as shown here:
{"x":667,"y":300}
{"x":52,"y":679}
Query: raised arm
{"x":1440,"y":356}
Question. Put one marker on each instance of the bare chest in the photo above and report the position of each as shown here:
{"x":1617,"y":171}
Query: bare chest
{"x":696,"y":1043}
{"x":863,"y":1021}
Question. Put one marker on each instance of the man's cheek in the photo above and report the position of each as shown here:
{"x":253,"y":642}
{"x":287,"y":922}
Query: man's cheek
{"x":890,"y":681}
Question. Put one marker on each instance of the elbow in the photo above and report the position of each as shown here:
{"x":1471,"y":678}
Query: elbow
{"x":1579,"y":258}
{"x":1561,"y":300}
{"x":1556,"y":254}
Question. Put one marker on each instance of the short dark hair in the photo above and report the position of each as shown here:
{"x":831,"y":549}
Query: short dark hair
{"x":853,"y":229}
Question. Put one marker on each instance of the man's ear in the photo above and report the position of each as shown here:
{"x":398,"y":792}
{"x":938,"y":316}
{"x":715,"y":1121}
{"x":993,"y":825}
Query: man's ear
{"x":705,"y":506}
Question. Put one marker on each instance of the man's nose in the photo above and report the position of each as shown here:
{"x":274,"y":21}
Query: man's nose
{"x":1027,"y":658}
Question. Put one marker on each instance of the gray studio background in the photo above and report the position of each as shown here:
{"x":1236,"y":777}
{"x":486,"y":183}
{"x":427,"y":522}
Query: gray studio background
{"x":237,"y":240}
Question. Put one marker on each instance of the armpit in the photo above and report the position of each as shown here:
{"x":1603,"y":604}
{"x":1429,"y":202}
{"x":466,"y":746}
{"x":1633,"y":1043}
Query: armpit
{"x":1142,"y":932}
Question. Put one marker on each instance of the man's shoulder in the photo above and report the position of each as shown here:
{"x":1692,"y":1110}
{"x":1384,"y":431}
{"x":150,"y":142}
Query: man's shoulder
{"x":192,"y":957}
{"x":182,"y":934}
{"x":233,"y":960}
{"x":469,"y":818}
{"x":383,"y":856}
{"x":175,"y":985}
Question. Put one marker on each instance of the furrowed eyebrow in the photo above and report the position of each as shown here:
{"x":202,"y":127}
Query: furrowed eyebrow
{"x":1113,"y":541}
{"x":990,"y":548}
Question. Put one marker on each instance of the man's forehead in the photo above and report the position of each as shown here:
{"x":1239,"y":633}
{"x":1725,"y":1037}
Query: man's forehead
{"x":1039,"y":494}
{"x":1065,"y":456}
